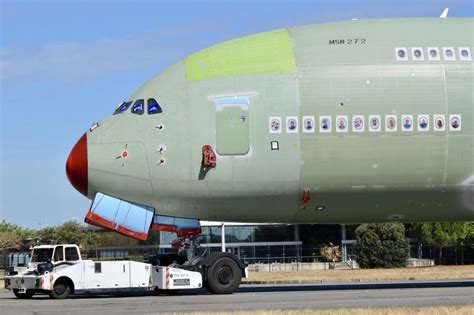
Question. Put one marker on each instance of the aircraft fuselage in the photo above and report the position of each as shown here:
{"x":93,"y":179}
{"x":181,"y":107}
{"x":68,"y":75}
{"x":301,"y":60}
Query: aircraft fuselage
{"x":350,"y":122}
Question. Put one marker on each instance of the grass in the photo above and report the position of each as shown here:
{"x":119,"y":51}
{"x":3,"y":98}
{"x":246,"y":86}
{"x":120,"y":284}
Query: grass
{"x":367,"y":275}
{"x":447,"y":310}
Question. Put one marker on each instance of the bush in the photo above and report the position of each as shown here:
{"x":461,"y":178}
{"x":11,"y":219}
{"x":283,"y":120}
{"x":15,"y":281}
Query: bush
{"x":330,"y":252}
{"x":381,"y":245}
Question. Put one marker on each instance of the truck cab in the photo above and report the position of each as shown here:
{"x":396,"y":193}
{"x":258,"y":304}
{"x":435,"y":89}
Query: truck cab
{"x":55,"y":253}
{"x":43,"y":259}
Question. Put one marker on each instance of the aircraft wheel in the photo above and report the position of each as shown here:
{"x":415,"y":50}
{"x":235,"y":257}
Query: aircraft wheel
{"x":27,"y":295}
{"x":60,"y":290}
{"x":223,"y":276}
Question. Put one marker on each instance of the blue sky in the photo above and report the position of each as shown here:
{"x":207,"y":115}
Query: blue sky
{"x":66,"y":64}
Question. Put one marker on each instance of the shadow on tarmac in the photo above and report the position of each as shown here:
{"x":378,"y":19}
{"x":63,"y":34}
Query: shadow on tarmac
{"x":356,"y":286}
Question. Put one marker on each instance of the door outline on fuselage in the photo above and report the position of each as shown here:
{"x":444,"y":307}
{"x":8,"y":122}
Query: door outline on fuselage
{"x":232,"y":126}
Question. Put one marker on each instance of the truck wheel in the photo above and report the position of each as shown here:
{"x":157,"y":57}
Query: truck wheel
{"x":223,"y":276}
{"x":27,"y":295}
{"x":60,"y":290}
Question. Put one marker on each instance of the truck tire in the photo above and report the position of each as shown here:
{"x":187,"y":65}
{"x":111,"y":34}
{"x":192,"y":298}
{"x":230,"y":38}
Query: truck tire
{"x":27,"y":295}
{"x":61,"y":290}
{"x":223,"y":276}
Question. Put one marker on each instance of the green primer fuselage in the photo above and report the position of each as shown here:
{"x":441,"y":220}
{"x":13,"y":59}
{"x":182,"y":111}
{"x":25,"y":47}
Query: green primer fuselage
{"x":226,"y":96}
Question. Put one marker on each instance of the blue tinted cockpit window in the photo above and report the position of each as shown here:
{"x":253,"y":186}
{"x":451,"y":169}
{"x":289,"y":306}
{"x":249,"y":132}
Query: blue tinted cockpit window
{"x":138,"y":107}
{"x":123,"y":107}
{"x":153,"y":106}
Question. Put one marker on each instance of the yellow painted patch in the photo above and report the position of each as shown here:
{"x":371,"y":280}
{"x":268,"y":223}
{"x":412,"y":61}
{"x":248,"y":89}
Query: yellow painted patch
{"x":270,"y":52}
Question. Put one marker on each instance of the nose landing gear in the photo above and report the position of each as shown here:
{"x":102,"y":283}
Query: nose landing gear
{"x":221,"y":272}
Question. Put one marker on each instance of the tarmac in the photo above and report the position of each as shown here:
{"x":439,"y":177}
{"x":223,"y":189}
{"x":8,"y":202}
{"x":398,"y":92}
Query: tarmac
{"x":255,"y":297}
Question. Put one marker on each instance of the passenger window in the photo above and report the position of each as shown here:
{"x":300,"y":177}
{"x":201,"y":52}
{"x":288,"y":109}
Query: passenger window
{"x":138,"y":107}
{"x":58,"y":254}
{"x":153,"y":107}
{"x":71,"y":254}
{"x":123,"y":107}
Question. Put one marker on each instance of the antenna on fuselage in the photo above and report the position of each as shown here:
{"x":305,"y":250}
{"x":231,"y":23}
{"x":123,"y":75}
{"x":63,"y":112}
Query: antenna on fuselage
{"x":444,"y":14}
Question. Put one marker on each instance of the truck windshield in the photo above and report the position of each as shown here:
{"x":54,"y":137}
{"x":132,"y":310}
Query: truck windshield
{"x":42,"y":254}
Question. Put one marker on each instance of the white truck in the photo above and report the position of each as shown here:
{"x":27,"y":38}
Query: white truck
{"x":59,"y":271}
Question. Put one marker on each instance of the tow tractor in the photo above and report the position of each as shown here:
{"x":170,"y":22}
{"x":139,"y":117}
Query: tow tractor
{"x":59,"y":271}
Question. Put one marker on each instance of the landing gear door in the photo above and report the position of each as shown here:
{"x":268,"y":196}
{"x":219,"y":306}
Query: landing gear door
{"x":130,"y":219}
{"x":232,"y":127}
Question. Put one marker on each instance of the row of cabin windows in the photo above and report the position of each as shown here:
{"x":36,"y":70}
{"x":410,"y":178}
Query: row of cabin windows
{"x":138,"y":107}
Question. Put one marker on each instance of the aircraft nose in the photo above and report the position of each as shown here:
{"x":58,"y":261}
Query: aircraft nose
{"x":76,"y":166}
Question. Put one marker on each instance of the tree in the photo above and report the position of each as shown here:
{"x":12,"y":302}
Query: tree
{"x":107,"y":238}
{"x":443,"y":234}
{"x":381,"y":245}
{"x":46,"y":235}
{"x":153,"y":238}
{"x":21,"y":233}
{"x":9,"y":241}
{"x":470,"y":231}
{"x":69,"y":232}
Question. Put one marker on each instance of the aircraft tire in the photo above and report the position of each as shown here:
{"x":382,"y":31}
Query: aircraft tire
{"x":27,"y":295}
{"x":223,"y":276}
{"x":61,"y":290}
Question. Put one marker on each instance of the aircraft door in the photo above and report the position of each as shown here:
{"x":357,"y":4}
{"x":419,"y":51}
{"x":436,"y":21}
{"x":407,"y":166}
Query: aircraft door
{"x":232,"y":128}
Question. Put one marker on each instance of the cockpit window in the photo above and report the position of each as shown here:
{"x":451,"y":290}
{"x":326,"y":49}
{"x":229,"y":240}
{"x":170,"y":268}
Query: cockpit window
{"x":153,"y":106}
{"x":123,"y":107}
{"x":138,"y":107}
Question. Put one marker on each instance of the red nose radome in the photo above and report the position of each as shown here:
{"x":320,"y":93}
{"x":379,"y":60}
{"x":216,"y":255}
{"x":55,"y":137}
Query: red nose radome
{"x":76,"y":166}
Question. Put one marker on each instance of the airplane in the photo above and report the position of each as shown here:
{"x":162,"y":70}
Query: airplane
{"x":348,"y":122}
